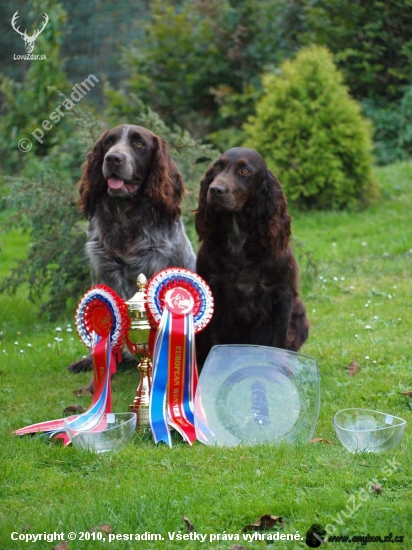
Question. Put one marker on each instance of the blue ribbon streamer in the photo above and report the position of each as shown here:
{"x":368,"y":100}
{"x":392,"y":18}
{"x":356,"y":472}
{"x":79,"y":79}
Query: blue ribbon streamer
{"x":157,"y":407}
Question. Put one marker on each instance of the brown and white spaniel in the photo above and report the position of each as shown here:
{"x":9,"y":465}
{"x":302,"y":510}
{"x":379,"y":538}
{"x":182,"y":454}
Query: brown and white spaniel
{"x":130,"y":191}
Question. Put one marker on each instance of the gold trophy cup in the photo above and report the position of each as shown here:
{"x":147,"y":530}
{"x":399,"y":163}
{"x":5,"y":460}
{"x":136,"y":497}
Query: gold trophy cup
{"x":139,"y":337}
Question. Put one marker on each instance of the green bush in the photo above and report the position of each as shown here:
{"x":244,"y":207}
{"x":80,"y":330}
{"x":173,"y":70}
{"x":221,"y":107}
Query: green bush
{"x":312,"y":134}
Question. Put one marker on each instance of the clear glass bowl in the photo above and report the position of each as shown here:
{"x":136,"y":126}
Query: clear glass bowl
{"x":255,"y":394}
{"x":368,"y":431}
{"x":101,"y":433}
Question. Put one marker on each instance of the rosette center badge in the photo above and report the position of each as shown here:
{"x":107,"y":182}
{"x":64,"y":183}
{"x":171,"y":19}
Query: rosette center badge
{"x":179,"y":301}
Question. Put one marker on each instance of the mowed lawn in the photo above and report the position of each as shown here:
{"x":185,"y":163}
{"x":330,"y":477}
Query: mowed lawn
{"x":356,"y":284}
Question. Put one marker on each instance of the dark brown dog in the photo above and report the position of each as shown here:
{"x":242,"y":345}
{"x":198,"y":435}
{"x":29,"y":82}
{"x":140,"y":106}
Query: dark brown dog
{"x":244,"y":228}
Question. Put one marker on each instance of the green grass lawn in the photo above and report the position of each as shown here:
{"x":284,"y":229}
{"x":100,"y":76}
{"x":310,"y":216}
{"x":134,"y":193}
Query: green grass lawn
{"x":356,"y":282}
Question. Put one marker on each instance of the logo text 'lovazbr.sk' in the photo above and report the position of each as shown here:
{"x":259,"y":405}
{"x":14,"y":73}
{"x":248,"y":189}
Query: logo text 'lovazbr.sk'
{"x":29,"y":41}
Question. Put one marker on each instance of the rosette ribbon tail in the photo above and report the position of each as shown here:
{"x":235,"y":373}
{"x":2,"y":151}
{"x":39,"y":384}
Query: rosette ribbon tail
{"x":180,"y":367}
{"x":103,"y":361}
{"x":157,"y":407}
{"x":174,"y":379}
{"x":179,"y":304}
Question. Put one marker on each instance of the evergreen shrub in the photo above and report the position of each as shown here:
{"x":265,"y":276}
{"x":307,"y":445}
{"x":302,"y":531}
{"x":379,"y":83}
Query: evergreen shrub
{"x":313,"y":135}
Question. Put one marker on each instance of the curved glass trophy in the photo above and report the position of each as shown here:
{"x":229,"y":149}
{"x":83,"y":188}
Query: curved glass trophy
{"x":255,"y":394}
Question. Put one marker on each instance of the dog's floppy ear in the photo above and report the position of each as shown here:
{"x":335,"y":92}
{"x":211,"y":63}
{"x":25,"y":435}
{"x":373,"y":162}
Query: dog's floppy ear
{"x":270,"y":213}
{"x":164,"y":184}
{"x":92,"y":184}
{"x":204,"y":217}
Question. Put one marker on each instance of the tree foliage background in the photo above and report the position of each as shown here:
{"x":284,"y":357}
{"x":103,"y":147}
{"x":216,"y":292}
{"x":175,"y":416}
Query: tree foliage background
{"x":192,"y":71}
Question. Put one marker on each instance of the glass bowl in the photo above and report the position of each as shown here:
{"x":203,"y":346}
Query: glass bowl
{"x":251,"y":394}
{"x":368,"y":431}
{"x":101,"y":433}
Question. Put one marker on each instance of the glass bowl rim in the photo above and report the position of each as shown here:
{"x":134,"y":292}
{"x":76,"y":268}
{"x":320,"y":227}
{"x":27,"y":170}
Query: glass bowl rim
{"x":286,"y":351}
{"x":105,"y":430}
{"x":402,"y":423}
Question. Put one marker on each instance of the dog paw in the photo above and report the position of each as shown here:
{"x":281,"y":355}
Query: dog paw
{"x":81,"y":366}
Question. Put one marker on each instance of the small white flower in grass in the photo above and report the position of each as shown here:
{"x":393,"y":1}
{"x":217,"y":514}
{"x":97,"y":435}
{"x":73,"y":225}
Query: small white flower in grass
{"x":394,"y":286}
{"x":390,"y":296}
{"x":368,"y":327}
{"x":22,"y":351}
{"x":29,"y":346}
{"x":49,"y":345}
{"x":4,"y":351}
{"x":356,"y":336}
{"x":352,"y":315}
{"x":58,"y":329}
{"x":334,"y":245}
{"x":375,"y":317}
{"x":366,"y":305}
{"x":374,"y":362}
{"x":363,"y":243}
{"x":71,"y":339}
{"x":313,"y":310}
{"x":16,"y":343}
{"x":399,"y":318}
{"x":366,"y":357}
{"x":69,"y":329}
{"x":335,"y":279}
{"x":351,"y":287}
{"x":342,"y":278}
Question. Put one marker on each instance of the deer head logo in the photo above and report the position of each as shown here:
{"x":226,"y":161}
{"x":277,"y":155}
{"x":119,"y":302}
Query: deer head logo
{"x":29,"y":41}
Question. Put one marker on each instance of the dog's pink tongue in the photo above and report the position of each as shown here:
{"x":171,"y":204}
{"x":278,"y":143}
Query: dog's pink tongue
{"x":115,"y":183}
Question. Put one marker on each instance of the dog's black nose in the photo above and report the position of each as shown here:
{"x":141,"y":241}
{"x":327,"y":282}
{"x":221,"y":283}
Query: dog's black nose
{"x":114,"y":159}
{"x":217,"y":189}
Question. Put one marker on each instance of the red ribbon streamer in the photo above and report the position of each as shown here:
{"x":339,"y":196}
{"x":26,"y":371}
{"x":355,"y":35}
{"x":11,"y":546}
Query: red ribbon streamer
{"x":176,"y":378}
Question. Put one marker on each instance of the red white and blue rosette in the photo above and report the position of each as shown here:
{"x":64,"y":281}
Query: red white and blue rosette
{"x":102,"y":322}
{"x":179,"y":304}
{"x":104,"y":312}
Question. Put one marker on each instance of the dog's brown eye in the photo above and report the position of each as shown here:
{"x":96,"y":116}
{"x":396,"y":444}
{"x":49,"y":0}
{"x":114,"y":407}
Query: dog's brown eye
{"x":138,"y":144}
{"x":109,"y":141}
{"x":244,"y":172}
{"x":216,"y":167}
